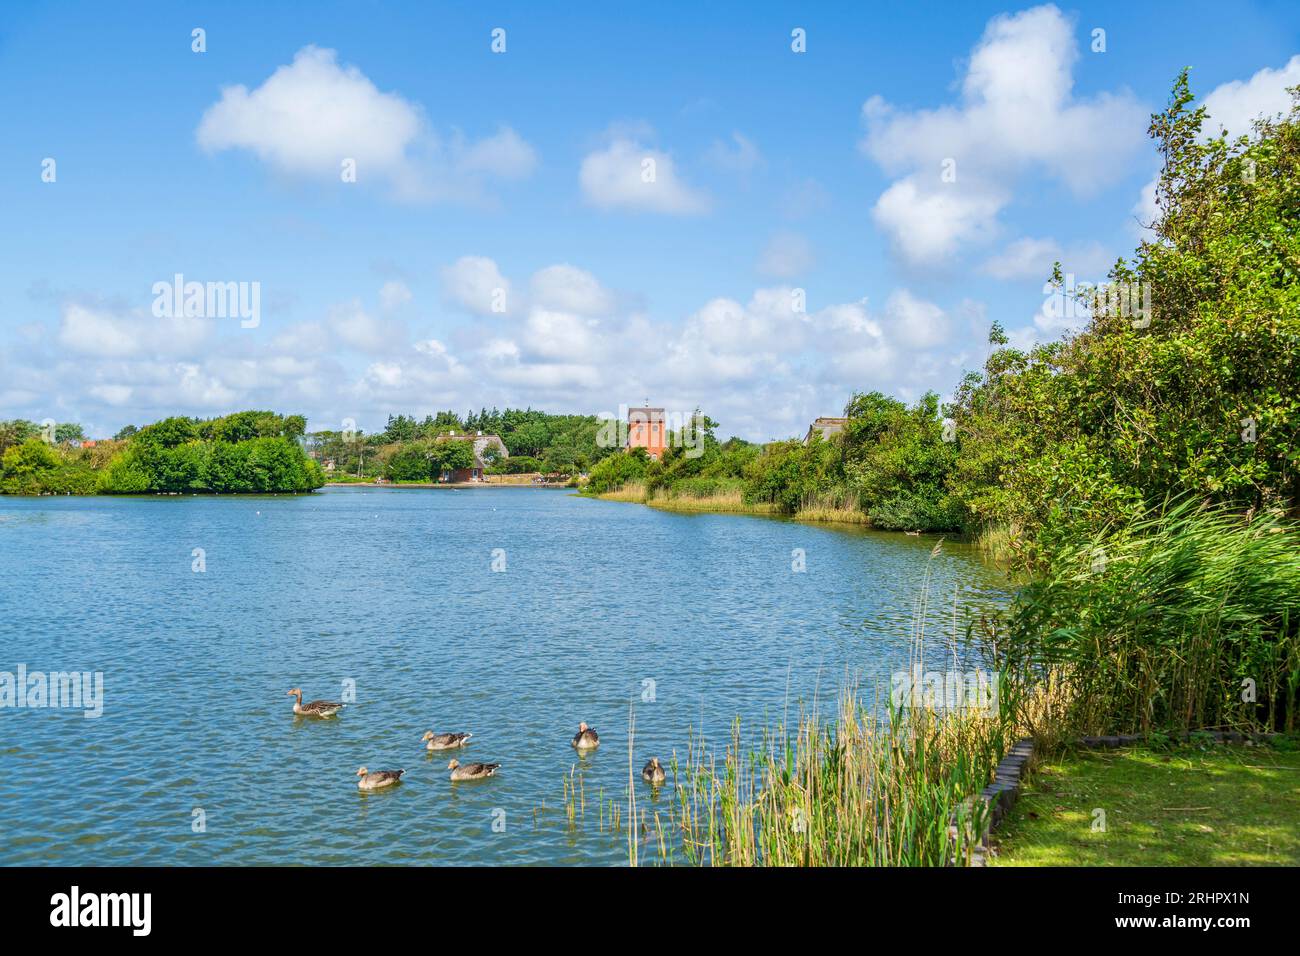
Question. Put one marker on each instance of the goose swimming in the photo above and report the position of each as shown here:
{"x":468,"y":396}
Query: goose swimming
{"x":585,"y":738}
{"x":653,"y":772}
{"x":379,"y":779}
{"x":444,"y":741}
{"x":317,"y":708}
{"x":472,"y":771}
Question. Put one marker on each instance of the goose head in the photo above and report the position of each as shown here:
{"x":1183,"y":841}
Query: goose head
{"x":582,"y":727}
{"x":362,"y":772}
{"x":428,"y":735}
{"x":654,"y":762}
{"x":453,"y":765}
{"x":295,"y":693}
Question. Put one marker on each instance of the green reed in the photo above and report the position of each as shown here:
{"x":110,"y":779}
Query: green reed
{"x":857,"y":790}
{"x":1174,"y":621}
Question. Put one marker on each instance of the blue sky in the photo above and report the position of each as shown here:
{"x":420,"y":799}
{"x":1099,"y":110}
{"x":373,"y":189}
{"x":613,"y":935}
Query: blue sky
{"x":501,"y":245}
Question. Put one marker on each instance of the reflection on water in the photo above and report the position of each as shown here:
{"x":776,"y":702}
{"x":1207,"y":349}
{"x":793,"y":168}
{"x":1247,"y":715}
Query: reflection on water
{"x":198,"y":759}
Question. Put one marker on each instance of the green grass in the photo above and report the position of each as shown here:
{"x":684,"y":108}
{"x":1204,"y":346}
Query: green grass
{"x":1217,"y":806}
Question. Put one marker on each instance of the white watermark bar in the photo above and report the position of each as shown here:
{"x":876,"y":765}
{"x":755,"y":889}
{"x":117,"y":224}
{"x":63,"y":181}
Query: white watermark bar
{"x":974,"y":692}
{"x":63,"y":690}
{"x":77,"y":909}
{"x":209,"y":300}
{"x":1075,"y":300}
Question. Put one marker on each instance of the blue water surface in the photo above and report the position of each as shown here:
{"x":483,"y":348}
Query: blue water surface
{"x":596,"y":607}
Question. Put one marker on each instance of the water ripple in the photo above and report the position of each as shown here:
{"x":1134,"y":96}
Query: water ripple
{"x":198,"y":759}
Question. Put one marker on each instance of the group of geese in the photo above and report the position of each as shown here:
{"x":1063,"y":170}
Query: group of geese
{"x":585,"y":739}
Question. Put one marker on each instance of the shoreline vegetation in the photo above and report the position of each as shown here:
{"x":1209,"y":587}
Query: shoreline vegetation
{"x":727,"y":501}
{"x":492,"y":481}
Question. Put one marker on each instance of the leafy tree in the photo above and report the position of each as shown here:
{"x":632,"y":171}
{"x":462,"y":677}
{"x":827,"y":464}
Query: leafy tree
{"x":16,"y":432}
{"x":898,"y":463}
{"x":410,"y":463}
{"x":448,"y":420}
{"x":614,"y":471}
{"x":401,"y":428}
{"x":68,"y":431}
{"x":1186,"y":379}
{"x":450,"y":455}
{"x":790,"y":473}
{"x":516,"y":465}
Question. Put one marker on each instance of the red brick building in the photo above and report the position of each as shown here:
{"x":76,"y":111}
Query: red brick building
{"x":646,"y":428}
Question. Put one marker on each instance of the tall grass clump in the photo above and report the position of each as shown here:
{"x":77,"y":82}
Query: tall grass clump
{"x":861,"y":790}
{"x":633,"y":491}
{"x":1186,"y":617}
{"x":837,"y":504}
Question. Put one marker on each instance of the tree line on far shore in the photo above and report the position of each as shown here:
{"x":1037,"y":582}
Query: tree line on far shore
{"x":412,"y":449}
{"x":244,"y":453}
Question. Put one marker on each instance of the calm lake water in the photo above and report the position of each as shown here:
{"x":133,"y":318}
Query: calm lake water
{"x":394,"y":589}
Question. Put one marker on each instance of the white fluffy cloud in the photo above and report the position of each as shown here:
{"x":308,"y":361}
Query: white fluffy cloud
{"x":1032,"y":258}
{"x":916,"y":323}
{"x":570,"y":289}
{"x":1017,"y":114}
{"x":504,"y":154}
{"x":927,"y":224}
{"x":1236,"y":105}
{"x":476,"y":284}
{"x":561,"y":337}
{"x":625,"y":175}
{"x":97,"y":331}
{"x":312,"y":115}
{"x":358,"y":329}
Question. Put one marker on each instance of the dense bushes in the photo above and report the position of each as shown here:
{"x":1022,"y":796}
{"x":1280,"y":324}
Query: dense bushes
{"x":515,"y":465}
{"x":248,"y":452}
{"x":615,"y":471}
{"x":35,"y":467}
{"x":1158,"y":615}
{"x":257,"y":465}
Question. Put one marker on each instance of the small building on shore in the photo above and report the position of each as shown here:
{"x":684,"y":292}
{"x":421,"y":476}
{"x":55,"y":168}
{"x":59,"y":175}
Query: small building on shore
{"x":826,"y":427}
{"x":485,"y":447}
{"x":646,"y":428}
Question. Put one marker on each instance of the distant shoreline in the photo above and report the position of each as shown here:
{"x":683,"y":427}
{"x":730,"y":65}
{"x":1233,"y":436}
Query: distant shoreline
{"x":440,"y":484}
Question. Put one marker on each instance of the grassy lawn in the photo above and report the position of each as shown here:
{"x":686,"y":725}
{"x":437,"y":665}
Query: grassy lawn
{"x":1210,"y":806}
